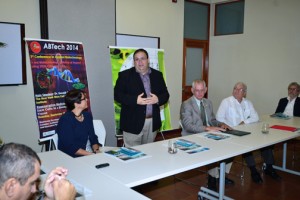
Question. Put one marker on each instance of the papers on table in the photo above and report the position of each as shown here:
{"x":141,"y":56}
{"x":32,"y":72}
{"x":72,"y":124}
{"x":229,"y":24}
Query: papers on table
{"x":216,"y":136}
{"x":280,"y":116}
{"x":126,"y":153}
{"x":189,"y":147}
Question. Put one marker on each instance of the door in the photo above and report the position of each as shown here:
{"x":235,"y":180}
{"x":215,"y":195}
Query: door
{"x":195,"y":65}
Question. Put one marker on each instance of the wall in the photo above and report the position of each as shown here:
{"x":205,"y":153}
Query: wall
{"x":18,"y":120}
{"x":91,"y":22}
{"x":158,"y":18}
{"x":265,"y":57}
{"x":95,"y":28}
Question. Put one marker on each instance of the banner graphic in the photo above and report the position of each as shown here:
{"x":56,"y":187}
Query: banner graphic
{"x":57,"y":67}
{"x":122,"y":59}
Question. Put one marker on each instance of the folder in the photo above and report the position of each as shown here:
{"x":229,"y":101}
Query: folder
{"x":285,"y":128}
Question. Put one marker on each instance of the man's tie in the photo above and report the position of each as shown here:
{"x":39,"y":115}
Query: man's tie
{"x":203,"y":115}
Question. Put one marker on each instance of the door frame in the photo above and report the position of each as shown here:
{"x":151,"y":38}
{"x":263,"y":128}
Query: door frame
{"x":190,"y":43}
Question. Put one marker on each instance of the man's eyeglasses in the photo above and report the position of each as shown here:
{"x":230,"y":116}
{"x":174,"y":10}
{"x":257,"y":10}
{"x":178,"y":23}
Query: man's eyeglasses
{"x":240,"y":89}
{"x":83,"y":99}
{"x":292,"y":89}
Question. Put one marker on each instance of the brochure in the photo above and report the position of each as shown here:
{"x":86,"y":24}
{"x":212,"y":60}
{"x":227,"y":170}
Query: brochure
{"x":216,"y":136}
{"x":189,"y":146}
{"x":198,"y":150}
{"x":186,"y":145}
{"x":280,"y":116}
{"x":125,"y":153}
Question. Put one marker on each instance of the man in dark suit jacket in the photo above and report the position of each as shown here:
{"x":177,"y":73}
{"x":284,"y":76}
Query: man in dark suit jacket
{"x":290,"y":105}
{"x":194,"y":121}
{"x":141,"y":91}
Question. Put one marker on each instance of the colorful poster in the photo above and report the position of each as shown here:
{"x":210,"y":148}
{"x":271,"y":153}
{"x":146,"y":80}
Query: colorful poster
{"x":122,"y":59}
{"x":57,"y":67}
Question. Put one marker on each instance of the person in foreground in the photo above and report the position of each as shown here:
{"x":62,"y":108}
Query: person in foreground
{"x":290,"y":105}
{"x":237,"y":110}
{"x":141,"y":91}
{"x":196,"y":114}
{"x":20,"y":172}
{"x":76,"y":135}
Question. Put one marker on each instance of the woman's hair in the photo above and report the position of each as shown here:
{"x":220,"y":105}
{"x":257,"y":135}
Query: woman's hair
{"x":72,"y":97}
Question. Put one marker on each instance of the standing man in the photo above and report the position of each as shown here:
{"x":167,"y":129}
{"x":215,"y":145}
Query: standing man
{"x":237,"y":110}
{"x":197,"y":116}
{"x":290,"y":105}
{"x":20,"y":172}
{"x":141,"y":91}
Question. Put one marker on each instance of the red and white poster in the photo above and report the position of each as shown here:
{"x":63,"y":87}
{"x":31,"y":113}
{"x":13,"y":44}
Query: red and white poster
{"x":57,"y":67}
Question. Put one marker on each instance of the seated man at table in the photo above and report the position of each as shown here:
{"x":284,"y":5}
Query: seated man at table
{"x":290,"y":105}
{"x":237,"y":110}
{"x":20,"y":172}
{"x":197,"y":116}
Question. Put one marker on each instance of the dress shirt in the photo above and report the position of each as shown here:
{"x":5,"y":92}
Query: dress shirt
{"x":289,"y":109}
{"x":146,"y":82}
{"x":232,"y":112}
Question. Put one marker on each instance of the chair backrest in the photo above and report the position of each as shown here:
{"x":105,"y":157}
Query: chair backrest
{"x":100,"y":131}
{"x":180,"y":124}
{"x":55,"y":141}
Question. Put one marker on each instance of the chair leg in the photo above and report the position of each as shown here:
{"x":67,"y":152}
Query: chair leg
{"x":162,"y":135}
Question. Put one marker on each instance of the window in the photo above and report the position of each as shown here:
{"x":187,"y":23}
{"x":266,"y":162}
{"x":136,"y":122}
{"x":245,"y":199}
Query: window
{"x":229,"y":18}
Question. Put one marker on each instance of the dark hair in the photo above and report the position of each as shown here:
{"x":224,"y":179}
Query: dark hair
{"x":141,"y":50}
{"x":17,"y":161}
{"x":72,"y":97}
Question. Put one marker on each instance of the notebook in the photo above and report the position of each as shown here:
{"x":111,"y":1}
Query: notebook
{"x":236,"y":132}
{"x":285,"y":128}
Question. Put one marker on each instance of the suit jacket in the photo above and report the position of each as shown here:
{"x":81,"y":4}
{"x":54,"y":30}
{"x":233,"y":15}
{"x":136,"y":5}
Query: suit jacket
{"x":190,"y":116}
{"x":284,"y":101}
{"x":128,"y":86}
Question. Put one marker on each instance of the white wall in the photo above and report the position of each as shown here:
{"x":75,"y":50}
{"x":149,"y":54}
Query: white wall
{"x":265,"y":57}
{"x":158,"y":18}
{"x":18,"y":121}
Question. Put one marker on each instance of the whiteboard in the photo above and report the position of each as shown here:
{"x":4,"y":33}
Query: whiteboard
{"x":124,"y":40}
{"x":12,"y":54}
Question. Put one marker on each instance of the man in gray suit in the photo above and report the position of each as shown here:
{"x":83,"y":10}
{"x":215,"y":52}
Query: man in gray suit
{"x":197,"y":116}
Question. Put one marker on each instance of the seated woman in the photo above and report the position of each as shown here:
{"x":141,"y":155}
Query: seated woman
{"x":76,"y":135}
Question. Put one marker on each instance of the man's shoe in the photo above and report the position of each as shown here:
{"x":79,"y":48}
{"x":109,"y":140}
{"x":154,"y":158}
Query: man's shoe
{"x":212,"y":183}
{"x":271,"y":172}
{"x":256,"y":177}
{"x":229,"y":181}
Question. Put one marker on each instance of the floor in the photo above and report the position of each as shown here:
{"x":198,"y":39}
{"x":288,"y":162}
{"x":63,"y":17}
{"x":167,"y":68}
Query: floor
{"x":171,"y":188}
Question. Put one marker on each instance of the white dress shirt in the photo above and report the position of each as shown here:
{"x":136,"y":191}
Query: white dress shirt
{"x":232,"y":112}
{"x":289,"y":109}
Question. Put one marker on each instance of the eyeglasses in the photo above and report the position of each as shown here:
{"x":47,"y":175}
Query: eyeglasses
{"x":292,"y":89}
{"x":83,"y":99}
{"x":240,"y":89}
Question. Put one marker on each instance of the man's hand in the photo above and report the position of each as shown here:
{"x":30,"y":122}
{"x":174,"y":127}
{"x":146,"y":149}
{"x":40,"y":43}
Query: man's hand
{"x":57,"y":173}
{"x":214,"y":128}
{"x":153,"y":99}
{"x":225,"y":126}
{"x":140,"y":100}
{"x":63,"y":190}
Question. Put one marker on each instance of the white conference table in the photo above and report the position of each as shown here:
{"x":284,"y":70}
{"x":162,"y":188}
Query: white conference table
{"x":160,"y":164}
{"x":91,"y":184}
